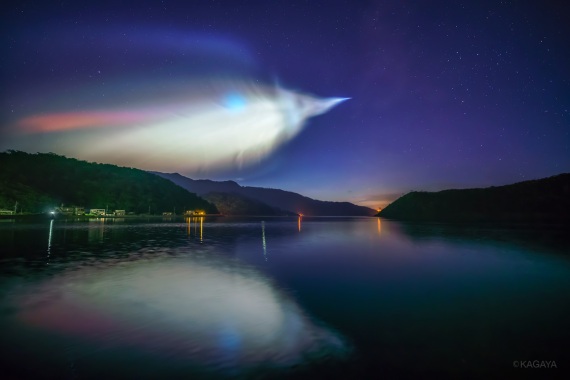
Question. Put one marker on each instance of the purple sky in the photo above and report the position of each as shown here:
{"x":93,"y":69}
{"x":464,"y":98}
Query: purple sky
{"x":443,"y":94}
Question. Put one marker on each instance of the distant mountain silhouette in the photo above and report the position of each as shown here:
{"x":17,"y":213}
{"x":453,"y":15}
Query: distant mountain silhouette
{"x":542,"y":200}
{"x":275,"y":198}
{"x":237,"y":204}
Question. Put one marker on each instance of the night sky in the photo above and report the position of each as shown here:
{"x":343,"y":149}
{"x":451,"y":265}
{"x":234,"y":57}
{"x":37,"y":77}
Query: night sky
{"x":443,"y":94}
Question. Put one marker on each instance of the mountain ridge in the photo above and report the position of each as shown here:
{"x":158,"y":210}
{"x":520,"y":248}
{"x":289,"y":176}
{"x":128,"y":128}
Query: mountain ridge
{"x":276,"y":198}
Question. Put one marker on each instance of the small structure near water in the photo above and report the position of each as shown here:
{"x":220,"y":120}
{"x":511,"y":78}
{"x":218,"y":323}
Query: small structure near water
{"x":194,"y":213}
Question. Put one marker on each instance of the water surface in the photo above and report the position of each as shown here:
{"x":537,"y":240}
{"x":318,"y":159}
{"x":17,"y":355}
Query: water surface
{"x":280,"y":297}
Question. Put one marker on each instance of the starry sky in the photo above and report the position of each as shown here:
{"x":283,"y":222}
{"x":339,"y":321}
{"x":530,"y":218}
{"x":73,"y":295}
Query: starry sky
{"x":443,"y":94}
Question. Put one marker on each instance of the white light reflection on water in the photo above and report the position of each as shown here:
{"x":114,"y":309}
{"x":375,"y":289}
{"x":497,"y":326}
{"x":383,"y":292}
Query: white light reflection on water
{"x":49,"y":240}
{"x":215,"y":313}
{"x":263,"y":242}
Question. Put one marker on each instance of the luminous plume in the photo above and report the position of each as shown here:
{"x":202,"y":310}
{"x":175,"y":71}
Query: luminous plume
{"x":173,"y":127}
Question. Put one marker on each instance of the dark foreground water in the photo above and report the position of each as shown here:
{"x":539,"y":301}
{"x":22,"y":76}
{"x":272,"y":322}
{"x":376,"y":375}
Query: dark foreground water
{"x":318,"y":298}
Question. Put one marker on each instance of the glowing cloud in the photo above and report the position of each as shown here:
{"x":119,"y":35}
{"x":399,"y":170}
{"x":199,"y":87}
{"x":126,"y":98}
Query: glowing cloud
{"x":220,"y":124}
{"x":77,"y":120}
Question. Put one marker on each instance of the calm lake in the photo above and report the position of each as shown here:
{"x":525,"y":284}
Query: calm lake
{"x":316,"y":298}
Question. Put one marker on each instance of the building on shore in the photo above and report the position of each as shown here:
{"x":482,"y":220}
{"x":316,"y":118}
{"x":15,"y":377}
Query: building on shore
{"x":70,"y":210}
{"x":194,"y":213}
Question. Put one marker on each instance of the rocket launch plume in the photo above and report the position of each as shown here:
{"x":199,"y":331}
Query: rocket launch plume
{"x":208,"y":125}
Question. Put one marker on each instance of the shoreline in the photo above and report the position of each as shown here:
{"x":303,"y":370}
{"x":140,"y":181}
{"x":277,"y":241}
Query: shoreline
{"x":87,"y":217}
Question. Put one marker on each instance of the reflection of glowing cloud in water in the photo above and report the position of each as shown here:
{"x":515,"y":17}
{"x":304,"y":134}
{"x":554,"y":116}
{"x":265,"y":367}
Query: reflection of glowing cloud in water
{"x":212,"y":312}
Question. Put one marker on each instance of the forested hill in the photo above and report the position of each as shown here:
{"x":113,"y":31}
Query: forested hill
{"x":41,"y":181}
{"x":543,"y":200}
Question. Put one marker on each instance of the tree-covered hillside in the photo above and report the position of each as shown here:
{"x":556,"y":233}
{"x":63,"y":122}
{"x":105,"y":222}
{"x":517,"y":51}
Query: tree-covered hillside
{"x":41,"y":181}
{"x":543,"y":200}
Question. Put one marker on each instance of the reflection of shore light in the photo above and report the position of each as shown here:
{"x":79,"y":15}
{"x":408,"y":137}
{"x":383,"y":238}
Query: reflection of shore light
{"x":299,"y":222}
{"x":49,"y":238}
{"x":197,"y":221}
{"x":263,"y":240}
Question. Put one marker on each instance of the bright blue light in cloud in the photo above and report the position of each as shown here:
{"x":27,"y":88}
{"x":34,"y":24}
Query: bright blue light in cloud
{"x":234,"y":101}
